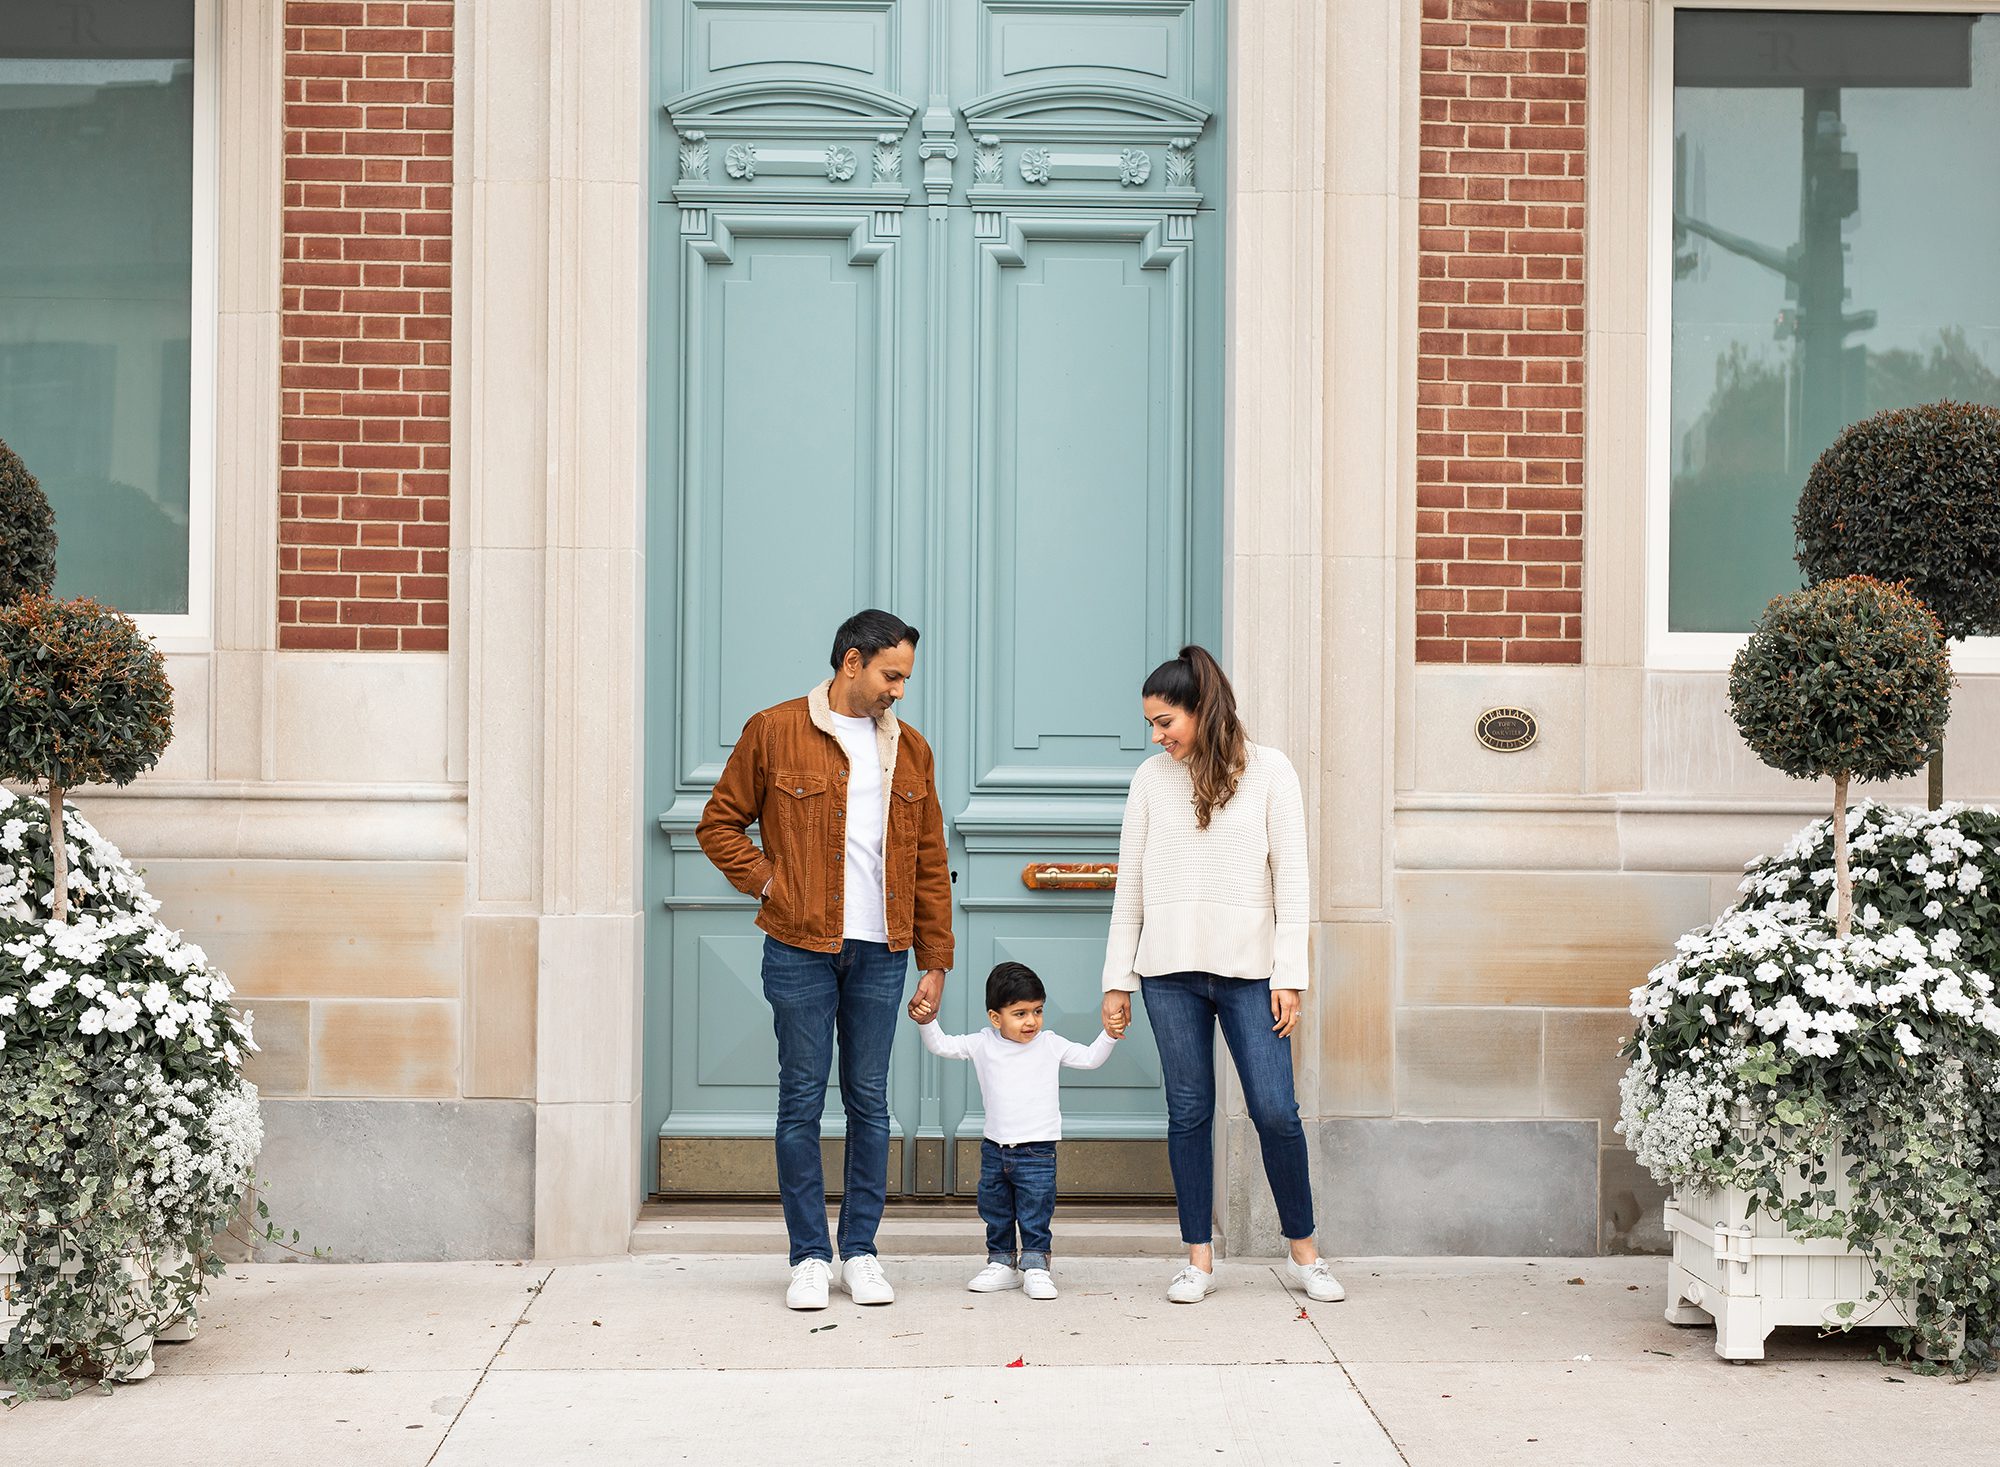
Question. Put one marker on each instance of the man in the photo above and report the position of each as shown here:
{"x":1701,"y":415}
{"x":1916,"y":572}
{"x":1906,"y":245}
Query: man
{"x":852,"y":874}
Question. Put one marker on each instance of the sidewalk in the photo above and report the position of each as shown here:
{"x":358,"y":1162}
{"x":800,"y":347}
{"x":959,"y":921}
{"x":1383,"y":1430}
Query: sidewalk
{"x":666,"y":1359}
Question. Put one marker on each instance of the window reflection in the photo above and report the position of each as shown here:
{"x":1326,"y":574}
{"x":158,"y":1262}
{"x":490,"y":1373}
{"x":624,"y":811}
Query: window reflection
{"x":96,"y":167}
{"x":1836,"y":198}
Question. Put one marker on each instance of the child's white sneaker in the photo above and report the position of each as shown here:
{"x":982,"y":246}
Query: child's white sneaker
{"x":864,"y":1280}
{"x":995,"y":1277}
{"x":1038,"y":1284}
{"x":1190,"y":1286}
{"x":1316,"y":1279}
{"x":809,"y":1281}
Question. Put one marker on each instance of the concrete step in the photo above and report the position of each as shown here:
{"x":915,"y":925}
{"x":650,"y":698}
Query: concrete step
{"x":907,"y":1231}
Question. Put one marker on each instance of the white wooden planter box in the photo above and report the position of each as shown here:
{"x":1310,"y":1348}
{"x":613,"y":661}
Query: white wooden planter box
{"x":1749,"y":1275}
{"x":176,"y":1332}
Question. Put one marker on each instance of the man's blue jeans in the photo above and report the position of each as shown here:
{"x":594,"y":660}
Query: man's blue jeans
{"x":855,"y":994}
{"x":1184,"y":1009}
{"x":1017,"y":1198}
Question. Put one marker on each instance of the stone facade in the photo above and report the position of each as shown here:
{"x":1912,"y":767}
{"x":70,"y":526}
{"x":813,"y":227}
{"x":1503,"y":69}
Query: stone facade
{"x":421,"y":865}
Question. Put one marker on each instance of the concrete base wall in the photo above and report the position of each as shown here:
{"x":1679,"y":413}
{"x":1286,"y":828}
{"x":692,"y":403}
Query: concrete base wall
{"x":401,"y":1180}
{"x":1410,"y":1186}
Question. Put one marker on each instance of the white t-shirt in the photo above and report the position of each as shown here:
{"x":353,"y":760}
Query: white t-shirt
{"x":864,"y":915}
{"x":1020,"y":1082}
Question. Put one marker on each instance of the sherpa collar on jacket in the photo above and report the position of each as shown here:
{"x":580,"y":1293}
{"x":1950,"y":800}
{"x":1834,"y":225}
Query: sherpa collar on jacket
{"x":888,"y":733}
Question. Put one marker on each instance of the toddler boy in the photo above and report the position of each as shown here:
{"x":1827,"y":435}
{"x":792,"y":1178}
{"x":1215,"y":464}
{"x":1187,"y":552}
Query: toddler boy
{"x":1019,"y":1066}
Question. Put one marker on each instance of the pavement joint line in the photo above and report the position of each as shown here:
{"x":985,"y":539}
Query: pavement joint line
{"x":1352,"y":1384}
{"x":534,"y":1294}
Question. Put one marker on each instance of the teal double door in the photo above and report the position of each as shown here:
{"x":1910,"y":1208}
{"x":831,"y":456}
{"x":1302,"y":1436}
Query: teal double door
{"x":936,"y":295}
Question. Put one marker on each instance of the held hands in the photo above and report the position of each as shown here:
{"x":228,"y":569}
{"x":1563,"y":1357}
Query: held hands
{"x":924,"y":1003}
{"x":1117,"y":1013}
{"x":1284,"y":1011}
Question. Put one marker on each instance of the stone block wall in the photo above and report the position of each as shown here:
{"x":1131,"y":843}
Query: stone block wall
{"x":364,"y":478}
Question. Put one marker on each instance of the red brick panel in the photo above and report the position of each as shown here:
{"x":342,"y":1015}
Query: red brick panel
{"x":1500,"y":323}
{"x":364,"y":495}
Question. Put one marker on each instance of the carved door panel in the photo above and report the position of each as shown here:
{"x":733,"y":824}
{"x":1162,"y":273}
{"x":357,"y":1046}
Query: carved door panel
{"x":937,"y":293}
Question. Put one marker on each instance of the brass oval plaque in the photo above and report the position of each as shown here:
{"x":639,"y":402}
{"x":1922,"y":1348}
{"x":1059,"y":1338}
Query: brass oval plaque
{"x":1506,"y":730}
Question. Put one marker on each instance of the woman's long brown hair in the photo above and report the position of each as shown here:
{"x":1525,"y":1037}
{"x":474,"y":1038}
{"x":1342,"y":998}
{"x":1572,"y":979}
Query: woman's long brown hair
{"x":1194,"y":682}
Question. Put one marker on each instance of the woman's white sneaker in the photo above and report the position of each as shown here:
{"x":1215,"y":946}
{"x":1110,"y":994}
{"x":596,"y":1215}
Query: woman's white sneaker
{"x":1316,"y":1279}
{"x":1038,"y":1284}
{"x":994,"y":1278}
{"x":864,"y":1280}
{"x":809,"y":1281}
{"x":1190,"y":1286}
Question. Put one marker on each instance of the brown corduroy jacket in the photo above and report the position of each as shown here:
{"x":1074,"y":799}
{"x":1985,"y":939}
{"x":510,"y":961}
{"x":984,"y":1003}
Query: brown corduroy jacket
{"x":788,"y":775}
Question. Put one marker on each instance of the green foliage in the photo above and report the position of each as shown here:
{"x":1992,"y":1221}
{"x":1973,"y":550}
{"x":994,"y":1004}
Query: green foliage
{"x":84,"y":697}
{"x":127,"y":1130}
{"x":27,"y":532}
{"x":1847,"y":677}
{"x":1849,"y":1086}
{"x":1912,"y":495}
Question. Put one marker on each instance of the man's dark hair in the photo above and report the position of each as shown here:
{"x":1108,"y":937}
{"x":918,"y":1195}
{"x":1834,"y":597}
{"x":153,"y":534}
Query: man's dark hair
{"x":1012,"y":983}
{"x":869,"y":632}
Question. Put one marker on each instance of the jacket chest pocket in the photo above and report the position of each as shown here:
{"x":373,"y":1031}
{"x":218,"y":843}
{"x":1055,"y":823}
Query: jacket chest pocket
{"x":904,"y":804}
{"x":801,"y":801}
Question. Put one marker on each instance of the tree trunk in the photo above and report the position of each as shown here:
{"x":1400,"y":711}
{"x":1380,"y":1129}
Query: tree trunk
{"x":59,"y":849}
{"x":1937,"y":775}
{"x":1843,"y":884}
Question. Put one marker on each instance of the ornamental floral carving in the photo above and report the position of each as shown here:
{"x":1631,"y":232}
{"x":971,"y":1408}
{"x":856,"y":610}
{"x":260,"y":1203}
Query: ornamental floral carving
{"x":1180,"y":163}
{"x":986,"y":163}
{"x":741,"y":160}
{"x":1135,"y":166}
{"x":694,"y":157}
{"x":888,"y":158}
{"x":840,"y":163}
{"x":1035,"y":165}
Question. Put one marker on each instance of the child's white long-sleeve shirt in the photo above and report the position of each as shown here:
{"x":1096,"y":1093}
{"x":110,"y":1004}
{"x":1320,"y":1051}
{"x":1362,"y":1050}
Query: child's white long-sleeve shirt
{"x":1020,"y":1082}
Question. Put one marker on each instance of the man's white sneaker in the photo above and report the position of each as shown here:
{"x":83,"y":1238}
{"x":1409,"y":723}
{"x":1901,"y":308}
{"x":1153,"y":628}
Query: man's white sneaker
{"x":995,"y":1277}
{"x":1038,"y":1284}
{"x":864,"y":1280}
{"x":809,"y":1281}
{"x":1190,"y":1286}
{"x":1316,"y":1279}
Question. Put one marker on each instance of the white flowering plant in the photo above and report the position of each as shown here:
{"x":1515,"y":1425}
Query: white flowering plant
{"x":127,"y":1130}
{"x":1767,"y":1045}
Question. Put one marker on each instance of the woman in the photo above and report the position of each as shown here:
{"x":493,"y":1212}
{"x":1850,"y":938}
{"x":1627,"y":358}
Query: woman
{"x":1210,"y":925}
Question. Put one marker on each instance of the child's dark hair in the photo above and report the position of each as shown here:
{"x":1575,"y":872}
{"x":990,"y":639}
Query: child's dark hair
{"x":1012,"y":983}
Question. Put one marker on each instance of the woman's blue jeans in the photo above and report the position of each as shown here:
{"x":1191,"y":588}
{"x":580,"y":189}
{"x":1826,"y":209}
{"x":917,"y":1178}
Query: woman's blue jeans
{"x":856,"y":994}
{"x":1184,"y":1009}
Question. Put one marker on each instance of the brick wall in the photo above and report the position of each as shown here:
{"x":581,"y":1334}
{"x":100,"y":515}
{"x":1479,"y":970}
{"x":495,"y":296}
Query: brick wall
{"x":1500,"y":322}
{"x":363,"y":517}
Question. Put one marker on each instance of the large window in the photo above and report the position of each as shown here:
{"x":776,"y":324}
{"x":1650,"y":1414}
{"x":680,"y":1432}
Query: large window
{"x":1835,"y":185}
{"x":103,"y":318}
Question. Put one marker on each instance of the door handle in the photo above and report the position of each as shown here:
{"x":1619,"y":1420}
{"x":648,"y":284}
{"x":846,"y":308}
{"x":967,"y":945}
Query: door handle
{"x":1059,"y":876}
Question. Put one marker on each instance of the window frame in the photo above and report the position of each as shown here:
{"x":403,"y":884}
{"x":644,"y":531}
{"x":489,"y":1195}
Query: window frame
{"x":1668,"y":650}
{"x":194,"y":629}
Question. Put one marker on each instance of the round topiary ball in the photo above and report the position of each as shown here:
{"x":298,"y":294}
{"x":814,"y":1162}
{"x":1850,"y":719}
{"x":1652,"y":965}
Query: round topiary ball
{"x":1846,"y":677}
{"x":27,"y":532}
{"x":84,"y":697}
{"x":1912,"y":495}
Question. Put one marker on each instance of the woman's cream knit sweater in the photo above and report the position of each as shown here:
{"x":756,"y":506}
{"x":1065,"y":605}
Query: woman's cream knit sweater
{"x":1229,"y":900}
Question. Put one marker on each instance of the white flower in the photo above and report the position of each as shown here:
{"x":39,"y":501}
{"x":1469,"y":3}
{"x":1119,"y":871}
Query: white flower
{"x":1933,"y":910}
{"x":1907,"y":1038}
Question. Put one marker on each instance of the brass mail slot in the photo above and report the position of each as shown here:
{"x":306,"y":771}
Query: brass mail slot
{"x":1056,"y":876}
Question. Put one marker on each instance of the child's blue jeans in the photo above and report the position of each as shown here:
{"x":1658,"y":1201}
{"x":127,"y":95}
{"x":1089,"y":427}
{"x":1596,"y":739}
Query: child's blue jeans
{"x":1017,"y":1198}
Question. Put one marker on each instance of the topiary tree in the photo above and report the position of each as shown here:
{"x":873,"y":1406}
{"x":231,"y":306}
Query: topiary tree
{"x":27,"y":531}
{"x":1913,"y":495}
{"x":1848,"y":679}
{"x":84,"y":699}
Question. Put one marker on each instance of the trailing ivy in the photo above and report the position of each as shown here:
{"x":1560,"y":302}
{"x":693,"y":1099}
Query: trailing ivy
{"x":127,"y":1130}
{"x":1770,"y":1050}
